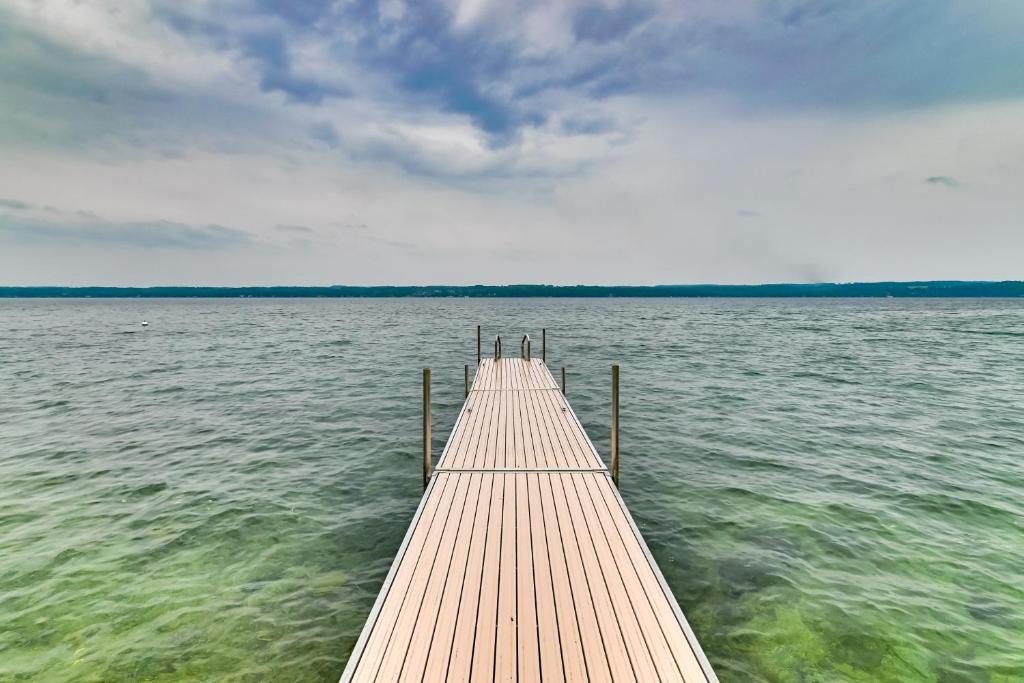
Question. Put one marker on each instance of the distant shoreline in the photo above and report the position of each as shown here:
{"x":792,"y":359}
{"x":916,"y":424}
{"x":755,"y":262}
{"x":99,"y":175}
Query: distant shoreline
{"x":924,"y":289}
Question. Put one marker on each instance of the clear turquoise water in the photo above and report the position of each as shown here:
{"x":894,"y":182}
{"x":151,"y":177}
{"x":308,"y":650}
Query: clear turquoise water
{"x":834,"y":489}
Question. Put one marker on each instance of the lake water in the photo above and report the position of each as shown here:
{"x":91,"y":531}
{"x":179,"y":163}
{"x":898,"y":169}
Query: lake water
{"x":833,"y":489}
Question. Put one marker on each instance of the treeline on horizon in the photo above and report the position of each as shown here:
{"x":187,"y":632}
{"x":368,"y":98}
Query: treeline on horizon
{"x":851,"y":289}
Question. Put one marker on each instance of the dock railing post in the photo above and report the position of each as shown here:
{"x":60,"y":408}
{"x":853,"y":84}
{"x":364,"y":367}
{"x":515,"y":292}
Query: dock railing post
{"x":615,"y":424}
{"x":467,"y":380}
{"x":478,"y":345}
{"x":563,"y":381}
{"x":426,"y":427}
{"x":544,"y":345}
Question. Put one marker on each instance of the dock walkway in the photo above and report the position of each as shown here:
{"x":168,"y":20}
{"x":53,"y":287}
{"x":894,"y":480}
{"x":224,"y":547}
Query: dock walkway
{"x":522,"y":562}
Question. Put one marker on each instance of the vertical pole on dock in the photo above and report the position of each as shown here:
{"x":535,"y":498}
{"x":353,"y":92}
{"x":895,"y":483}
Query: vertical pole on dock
{"x":563,"y":381}
{"x":478,"y":345}
{"x":467,"y":380}
{"x":426,"y":427}
{"x":615,"y":424}
{"x":544,"y":345}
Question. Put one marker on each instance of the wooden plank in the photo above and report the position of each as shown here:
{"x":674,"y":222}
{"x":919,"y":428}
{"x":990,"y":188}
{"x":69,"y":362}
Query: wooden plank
{"x":565,"y":435}
{"x":646,"y":618}
{"x":483,"y":371}
{"x":459,"y":436}
{"x":607,"y":586}
{"x":525,"y":375}
{"x":519,"y":432}
{"x":552,"y":647}
{"x":571,"y":438}
{"x":478,"y":374}
{"x":497,"y":454}
{"x":571,"y":585}
{"x":487,"y":418}
{"x":513,"y":374}
{"x":574,"y":659}
{"x":506,"y":647}
{"x":436,"y":614}
{"x":549,"y":454}
{"x":464,"y":635}
{"x":528,"y":634}
{"x":553,"y":426}
{"x":683,"y":651}
{"x":527,"y":578}
{"x":535,"y":454}
{"x":435,"y":512}
{"x":533,"y":573}
{"x":461,"y":587}
{"x":427,"y":575}
{"x":542,"y":379}
{"x":482,"y":657}
{"x":590,"y":577}
{"x":467,"y":432}
{"x":480,"y":456}
{"x":513,"y":446}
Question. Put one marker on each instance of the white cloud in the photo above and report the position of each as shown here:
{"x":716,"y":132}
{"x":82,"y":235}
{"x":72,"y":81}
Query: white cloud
{"x":125,"y":31}
{"x":552,"y":142}
{"x":836,"y":198}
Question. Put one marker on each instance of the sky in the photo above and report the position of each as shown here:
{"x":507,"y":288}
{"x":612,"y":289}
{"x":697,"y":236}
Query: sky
{"x":317,"y":142}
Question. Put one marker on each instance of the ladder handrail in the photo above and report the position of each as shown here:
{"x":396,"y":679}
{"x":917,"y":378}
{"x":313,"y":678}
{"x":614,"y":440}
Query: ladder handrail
{"x":524,"y":347}
{"x":497,"y":347}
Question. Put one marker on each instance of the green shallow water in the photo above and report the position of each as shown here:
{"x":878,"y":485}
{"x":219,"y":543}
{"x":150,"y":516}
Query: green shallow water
{"x":833,"y":489}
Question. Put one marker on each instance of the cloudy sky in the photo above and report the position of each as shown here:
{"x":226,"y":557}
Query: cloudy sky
{"x":493,"y":141}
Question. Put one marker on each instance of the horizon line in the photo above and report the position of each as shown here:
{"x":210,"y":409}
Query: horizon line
{"x":884,"y":289}
{"x":821,"y":283}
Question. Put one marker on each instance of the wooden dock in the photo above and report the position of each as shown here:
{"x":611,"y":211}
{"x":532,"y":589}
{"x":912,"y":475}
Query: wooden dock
{"x":522,"y":562}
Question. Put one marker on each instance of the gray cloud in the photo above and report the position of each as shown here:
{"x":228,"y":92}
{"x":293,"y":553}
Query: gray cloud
{"x":448,"y":126}
{"x":324,"y":132}
{"x":354,"y":227}
{"x":14,"y":204}
{"x":140,"y":234}
{"x":49,"y":80}
{"x":85,"y":102}
{"x":604,"y":24}
{"x":584,"y":124}
{"x":425,"y":61}
{"x":295,"y":229}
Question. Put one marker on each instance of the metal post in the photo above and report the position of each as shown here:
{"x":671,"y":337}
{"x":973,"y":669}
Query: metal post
{"x":467,"y":380}
{"x":478,"y":345}
{"x":426,"y":427}
{"x":563,"y":381}
{"x":544,"y":345}
{"x":615,"y":424}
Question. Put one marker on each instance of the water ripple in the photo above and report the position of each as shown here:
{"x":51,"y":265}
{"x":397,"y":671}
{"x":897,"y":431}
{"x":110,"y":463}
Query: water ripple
{"x":833,"y":488}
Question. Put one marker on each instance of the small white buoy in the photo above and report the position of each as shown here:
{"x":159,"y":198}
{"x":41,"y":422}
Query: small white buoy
{"x":145,"y":324}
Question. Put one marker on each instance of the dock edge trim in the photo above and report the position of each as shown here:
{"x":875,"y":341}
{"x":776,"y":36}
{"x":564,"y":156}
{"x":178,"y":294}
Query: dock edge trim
{"x":385,"y":589}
